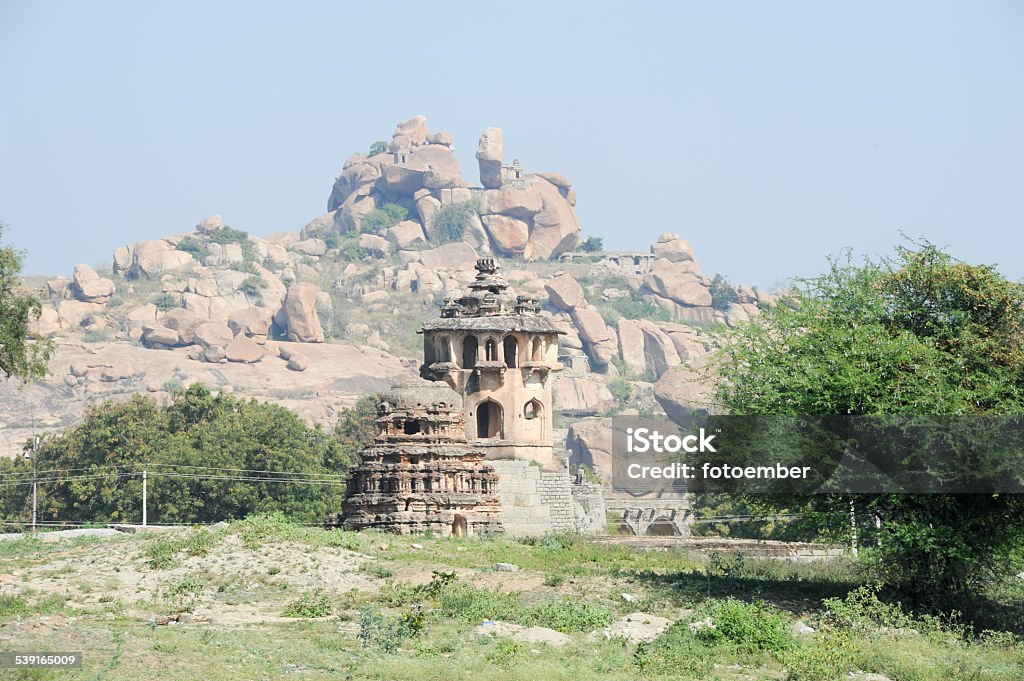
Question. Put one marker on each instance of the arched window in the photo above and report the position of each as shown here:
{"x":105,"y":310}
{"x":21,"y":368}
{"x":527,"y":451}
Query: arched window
{"x":488,"y":420}
{"x":537,"y":354}
{"x":443,"y":352}
{"x":511,"y":352}
{"x":491,"y":350}
{"x":469,"y":349}
{"x":533,"y":410}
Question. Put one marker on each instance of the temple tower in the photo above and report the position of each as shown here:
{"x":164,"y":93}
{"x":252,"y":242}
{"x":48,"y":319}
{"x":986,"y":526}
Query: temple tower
{"x":420,"y":475}
{"x":497,"y":352}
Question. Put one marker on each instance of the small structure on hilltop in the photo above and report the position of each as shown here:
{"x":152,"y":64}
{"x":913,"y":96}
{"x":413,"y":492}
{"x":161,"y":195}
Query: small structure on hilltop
{"x":420,"y":475}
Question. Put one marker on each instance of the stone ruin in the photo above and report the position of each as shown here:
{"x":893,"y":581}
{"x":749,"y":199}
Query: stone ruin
{"x":421,"y":475}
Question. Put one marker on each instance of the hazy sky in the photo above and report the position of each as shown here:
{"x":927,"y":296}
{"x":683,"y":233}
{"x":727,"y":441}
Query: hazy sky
{"x":768,"y":134}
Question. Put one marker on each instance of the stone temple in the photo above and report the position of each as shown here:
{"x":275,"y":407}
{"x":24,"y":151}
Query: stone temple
{"x":420,"y":475}
{"x":469,"y":449}
{"x":498,"y":353}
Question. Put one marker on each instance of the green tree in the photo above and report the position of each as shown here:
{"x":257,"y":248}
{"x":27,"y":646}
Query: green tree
{"x":451,"y":221}
{"x":21,"y":354}
{"x":722,"y":293}
{"x":383,"y":218}
{"x":207,"y":455}
{"x":592,"y":244}
{"x":357,"y":426}
{"x":917,"y":334}
{"x":378,"y":147}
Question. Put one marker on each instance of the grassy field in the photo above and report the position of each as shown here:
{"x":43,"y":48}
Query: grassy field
{"x":264,"y":599}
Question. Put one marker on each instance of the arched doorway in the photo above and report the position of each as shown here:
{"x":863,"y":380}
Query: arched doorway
{"x":511,"y":352}
{"x":488,"y":420}
{"x":662,"y":527}
{"x":469,"y":349}
{"x":491,"y":350}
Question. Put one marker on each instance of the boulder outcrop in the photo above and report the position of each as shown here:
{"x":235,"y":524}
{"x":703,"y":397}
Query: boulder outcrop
{"x":301,"y":320}
{"x":90,"y":286}
{"x":514,"y":213}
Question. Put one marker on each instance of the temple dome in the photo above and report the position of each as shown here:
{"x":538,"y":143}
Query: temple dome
{"x":419,"y":393}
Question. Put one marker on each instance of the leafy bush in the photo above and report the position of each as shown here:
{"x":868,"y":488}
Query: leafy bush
{"x":378,"y":147}
{"x":185,"y":595}
{"x":471,"y":604}
{"x":227,"y":235}
{"x":722,"y":293}
{"x":592,"y":244}
{"x":165,"y":301}
{"x":451,"y":221}
{"x":568,"y":615}
{"x":387,"y":633}
{"x":385,"y":217}
{"x":115,"y":301}
{"x":197,"y":248}
{"x":751,"y":626}
{"x":314,"y":603}
{"x":97,"y":336}
{"x":621,"y":390}
{"x":677,"y":654}
{"x":253,"y":285}
{"x":829,"y":655}
{"x":631,"y":306}
{"x":163,"y":552}
{"x":349,"y":249}
{"x":861,"y":609}
{"x":506,"y":653}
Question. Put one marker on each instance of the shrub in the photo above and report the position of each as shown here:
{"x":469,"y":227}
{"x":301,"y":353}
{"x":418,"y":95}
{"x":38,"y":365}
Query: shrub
{"x":386,"y":632}
{"x":677,"y":653}
{"x":197,"y":248}
{"x":385,"y":217}
{"x":621,"y":390}
{"x":829,"y":655}
{"x":165,"y":301}
{"x":506,"y":653}
{"x":722,"y":293}
{"x":314,"y":603}
{"x":183,"y":596}
{"x":378,"y":147}
{"x":451,"y":221}
{"x":349,"y":248}
{"x":97,"y":336}
{"x":568,"y":615}
{"x":116,"y":301}
{"x":227,"y":235}
{"x":751,"y":626}
{"x":252,"y":285}
{"x":592,"y":244}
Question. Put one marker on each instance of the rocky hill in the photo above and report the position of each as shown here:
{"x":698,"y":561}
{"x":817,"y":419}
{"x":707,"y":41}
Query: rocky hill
{"x":514,"y":213}
{"x":317,"y":318}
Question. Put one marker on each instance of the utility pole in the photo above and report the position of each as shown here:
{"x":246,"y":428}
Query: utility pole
{"x":144,"y":476}
{"x":31,"y":454}
{"x":853,"y":527}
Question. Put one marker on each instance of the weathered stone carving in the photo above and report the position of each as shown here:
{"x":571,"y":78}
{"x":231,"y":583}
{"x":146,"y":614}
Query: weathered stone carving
{"x":421,"y":475}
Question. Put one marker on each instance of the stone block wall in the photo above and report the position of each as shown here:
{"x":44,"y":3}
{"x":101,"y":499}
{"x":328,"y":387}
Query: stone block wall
{"x":556,"y":494}
{"x":523,"y":513}
{"x":535,"y":501}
